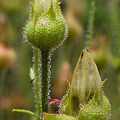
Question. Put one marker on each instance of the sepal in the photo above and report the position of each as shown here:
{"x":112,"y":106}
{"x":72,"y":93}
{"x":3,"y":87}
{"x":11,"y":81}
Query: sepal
{"x":98,"y":108}
{"x":64,"y":105}
{"x":47,"y":116}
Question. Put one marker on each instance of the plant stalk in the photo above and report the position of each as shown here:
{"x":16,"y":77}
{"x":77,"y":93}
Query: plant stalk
{"x":45,"y":82}
{"x":36,"y":84}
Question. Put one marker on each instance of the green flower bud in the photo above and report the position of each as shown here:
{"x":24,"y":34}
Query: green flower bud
{"x":98,"y":108}
{"x":86,"y":80}
{"x":46,"y":28}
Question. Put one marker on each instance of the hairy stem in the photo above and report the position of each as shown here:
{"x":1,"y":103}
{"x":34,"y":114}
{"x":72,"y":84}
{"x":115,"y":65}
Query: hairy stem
{"x":116,"y":25}
{"x":37,"y":85}
{"x":90,"y":25}
{"x":45,"y":60}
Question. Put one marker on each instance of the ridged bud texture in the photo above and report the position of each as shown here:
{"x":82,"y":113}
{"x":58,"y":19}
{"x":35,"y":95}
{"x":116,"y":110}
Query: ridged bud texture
{"x":86,"y":80}
{"x":47,"y":30}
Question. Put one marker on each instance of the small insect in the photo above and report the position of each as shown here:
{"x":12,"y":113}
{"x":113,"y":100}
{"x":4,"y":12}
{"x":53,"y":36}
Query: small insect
{"x":32,"y":75}
{"x":31,"y":81}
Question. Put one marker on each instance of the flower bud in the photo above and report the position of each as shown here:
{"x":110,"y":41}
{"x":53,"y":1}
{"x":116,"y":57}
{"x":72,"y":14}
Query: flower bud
{"x":46,"y":29}
{"x":86,"y":80}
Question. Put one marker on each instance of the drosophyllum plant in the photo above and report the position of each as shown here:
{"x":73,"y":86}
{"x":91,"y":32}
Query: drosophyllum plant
{"x":45,"y":30}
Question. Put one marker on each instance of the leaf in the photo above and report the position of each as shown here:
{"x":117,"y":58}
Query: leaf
{"x":64,"y":105}
{"x":47,"y":116}
{"x":24,"y":111}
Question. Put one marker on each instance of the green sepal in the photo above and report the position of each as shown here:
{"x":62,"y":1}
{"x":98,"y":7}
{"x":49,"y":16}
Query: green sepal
{"x":57,"y":5}
{"x":50,"y":12}
{"x":98,"y":97}
{"x":47,"y":116}
{"x":64,"y":105}
{"x":32,"y":10}
{"x":24,"y":111}
{"x":98,"y":108}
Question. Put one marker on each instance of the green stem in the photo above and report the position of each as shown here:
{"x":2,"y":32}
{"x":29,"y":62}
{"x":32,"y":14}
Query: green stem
{"x":90,"y":25}
{"x":45,"y":60}
{"x":115,"y":22}
{"x":41,"y":86}
{"x":36,"y":84}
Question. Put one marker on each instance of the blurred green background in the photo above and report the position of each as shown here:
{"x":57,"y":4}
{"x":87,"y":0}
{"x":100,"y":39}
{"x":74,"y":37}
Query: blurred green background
{"x":16,"y":90}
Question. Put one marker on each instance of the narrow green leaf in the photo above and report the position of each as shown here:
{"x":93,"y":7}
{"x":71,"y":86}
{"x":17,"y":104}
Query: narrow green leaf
{"x":64,"y":105}
{"x":24,"y":111}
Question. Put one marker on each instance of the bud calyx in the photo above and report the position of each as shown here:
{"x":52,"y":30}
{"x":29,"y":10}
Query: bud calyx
{"x":46,"y":30}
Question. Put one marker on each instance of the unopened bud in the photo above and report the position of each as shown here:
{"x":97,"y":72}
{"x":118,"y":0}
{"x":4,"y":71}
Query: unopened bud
{"x":46,"y":27}
{"x":86,"y":80}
